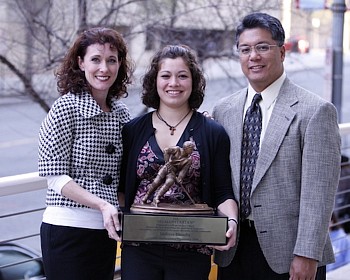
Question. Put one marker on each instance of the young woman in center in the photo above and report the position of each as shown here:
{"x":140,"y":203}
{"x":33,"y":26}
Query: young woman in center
{"x":174,"y":86}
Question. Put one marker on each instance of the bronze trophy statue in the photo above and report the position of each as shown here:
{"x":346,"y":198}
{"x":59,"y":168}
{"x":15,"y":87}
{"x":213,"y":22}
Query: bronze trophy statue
{"x":152,"y":220}
{"x":177,"y":162}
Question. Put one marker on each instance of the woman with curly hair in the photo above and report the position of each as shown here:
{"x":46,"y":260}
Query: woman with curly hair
{"x":80,"y":151}
{"x":174,"y":86}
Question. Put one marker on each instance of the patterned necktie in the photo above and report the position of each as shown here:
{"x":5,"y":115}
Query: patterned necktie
{"x":250,"y":151}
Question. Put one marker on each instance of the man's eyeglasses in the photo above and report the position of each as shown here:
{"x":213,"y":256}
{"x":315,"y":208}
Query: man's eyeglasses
{"x":259,"y":48}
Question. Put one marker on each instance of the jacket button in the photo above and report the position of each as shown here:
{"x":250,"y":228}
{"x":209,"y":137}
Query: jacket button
{"x":107,"y":180}
{"x":110,"y":149}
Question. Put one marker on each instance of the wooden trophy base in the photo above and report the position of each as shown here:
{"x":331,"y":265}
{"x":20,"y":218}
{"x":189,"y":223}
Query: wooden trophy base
{"x":174,"y":209}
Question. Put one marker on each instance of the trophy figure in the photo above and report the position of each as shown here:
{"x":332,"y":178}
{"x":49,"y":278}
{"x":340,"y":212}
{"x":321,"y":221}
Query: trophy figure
{"x":177,"y":162}
{"x":153,"y":220}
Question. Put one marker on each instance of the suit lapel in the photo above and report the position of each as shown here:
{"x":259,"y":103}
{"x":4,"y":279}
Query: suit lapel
{"x":234,"y":127}
{"x":281,"y":118}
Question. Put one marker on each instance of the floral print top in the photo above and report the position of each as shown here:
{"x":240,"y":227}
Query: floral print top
{"x":150,"y":160}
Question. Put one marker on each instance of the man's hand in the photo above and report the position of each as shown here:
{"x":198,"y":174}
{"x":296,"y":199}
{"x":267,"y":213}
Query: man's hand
{"x":302,"y":268}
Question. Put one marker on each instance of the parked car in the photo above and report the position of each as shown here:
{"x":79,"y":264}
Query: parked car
{"x":297,"y":44}
{"x":29,"y":267}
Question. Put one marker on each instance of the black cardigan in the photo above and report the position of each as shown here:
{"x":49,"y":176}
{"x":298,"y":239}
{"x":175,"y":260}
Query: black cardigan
{"x":212,"y":143}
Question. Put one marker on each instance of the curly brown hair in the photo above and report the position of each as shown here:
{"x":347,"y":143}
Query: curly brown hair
{"x":150,"y":96}
{"x":71,"y":79}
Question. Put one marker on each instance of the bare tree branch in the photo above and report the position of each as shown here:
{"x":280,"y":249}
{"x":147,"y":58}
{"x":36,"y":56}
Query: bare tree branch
{"x":26,"y":82}
{"x":43,"y":30}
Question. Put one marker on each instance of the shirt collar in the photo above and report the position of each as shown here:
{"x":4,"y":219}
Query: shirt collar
{"x":89,"y":108}
{"x":269,"y":94}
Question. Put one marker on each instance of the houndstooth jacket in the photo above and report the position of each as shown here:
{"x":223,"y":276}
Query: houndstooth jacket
{"x":78,"y":139}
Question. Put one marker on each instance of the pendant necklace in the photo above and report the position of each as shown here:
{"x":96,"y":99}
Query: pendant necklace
{"x":172,"y":128}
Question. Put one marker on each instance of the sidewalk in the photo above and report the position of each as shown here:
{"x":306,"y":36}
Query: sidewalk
{"x":342,"y":273}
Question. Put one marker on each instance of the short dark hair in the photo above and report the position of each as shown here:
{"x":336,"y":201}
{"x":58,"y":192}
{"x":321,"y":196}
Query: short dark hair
{"x":71,"y":79}
{"x":265,"y":21}
{"x":150,"y":96}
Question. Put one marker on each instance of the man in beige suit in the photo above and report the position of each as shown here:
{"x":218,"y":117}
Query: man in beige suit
{"x":285,"y":234}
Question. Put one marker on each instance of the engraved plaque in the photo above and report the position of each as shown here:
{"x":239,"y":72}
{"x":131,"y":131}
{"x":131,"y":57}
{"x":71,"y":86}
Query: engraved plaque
{"x":165,"y":228}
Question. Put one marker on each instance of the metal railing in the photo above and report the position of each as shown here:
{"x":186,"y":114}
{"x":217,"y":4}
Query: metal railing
{"x":20,"y":184}
{"x":25,"y":183}
{"x":342,"y":199}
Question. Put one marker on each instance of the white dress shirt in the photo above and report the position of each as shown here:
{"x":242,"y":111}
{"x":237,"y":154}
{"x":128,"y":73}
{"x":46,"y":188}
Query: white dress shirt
{"x":269,"y":96}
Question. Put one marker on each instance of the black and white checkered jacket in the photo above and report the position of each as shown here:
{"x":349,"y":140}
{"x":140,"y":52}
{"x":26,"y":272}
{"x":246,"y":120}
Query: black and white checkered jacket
{"x":78,"y":139}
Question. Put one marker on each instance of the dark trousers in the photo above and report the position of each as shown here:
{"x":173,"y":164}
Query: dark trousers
{"x":76,"y":253}
{"x":249,"y":262}
{"x":161,"y":262}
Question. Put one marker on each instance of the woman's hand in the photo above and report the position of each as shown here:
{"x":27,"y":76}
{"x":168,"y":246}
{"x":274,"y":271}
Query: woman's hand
{"x":110,"y":213}
{"x":111,"y":221}
{"x":231,"y":235}
{"x":229,"y":209}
